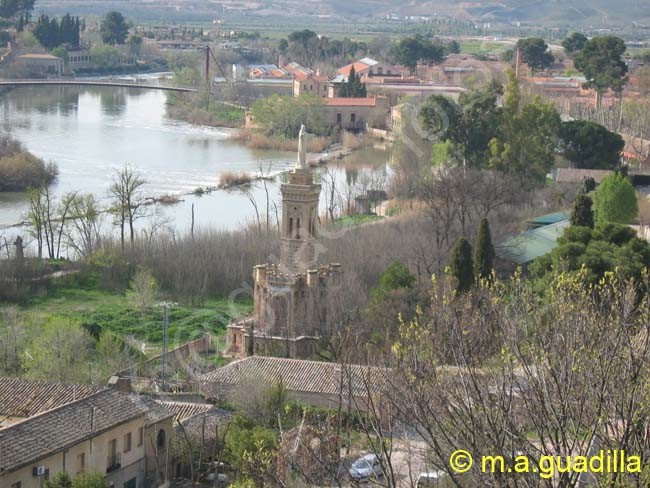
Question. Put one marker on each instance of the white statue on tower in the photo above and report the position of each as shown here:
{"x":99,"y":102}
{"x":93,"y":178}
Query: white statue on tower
{"x":302,"y":148}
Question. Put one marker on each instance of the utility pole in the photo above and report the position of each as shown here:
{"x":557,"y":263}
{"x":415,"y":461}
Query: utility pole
{"x":164,"y":351}
{"x":207,"y":77}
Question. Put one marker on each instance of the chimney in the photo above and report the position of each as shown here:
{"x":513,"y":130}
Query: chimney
{"x":120,"y":384}
{"x":318,"y":72}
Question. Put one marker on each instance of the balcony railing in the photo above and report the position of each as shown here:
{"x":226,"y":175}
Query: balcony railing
{"x":113,"y":463}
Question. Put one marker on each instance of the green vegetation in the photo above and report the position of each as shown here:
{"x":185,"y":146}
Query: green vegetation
{"x":121,"y":314}
{"x":601,"y":61}
{"x":9,"y":8}
{"x":114,"y":28}
{"x":353,"y":87}
{"x":574,"y":43}
{"x":461,"y":265}
{"x":615,"y":200}
{"x":396,"y":276}
{"x":82,"y":480}
{"x":52,"y":33}
{"x":198,"y":108}
{"x":484,"y":252}
{"x":591,"y":146}
{"x":527,"y":136}
{"x":409,"y":51}
{"x":581,"y":214}
{"x":355,"y":219}
{"x":20,"y":169}
{"x":283,"y":115}
{"x":535,"y":53}
{"x":594,"y":252}
{"x":465,"y":128}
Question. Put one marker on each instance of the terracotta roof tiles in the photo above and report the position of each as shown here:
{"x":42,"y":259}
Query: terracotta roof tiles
{"x":299,"y":375}
{"x":24,"y":398}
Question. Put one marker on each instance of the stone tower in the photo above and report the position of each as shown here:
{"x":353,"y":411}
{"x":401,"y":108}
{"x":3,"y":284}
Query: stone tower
{"x":295,"y":302}
{"x":299,"y":221}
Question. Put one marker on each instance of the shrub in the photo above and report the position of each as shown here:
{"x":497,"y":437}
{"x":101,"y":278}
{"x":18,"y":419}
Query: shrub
{"x":19,"y":169}
{"x":231,"y":178}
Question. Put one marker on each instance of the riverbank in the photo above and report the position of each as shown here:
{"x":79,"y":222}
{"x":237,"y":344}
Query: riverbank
{"x":255,"y":139}
{"x":195,"y":108}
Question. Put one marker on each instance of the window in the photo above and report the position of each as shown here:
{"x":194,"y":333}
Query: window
{"x":132,"y":483}
{"x":339,"y":118}
{"x":140,"y":436}
{"x":17,"y":484}
{"x":353,"y":118}
{"x":127,"y":442}
{"x":112,"y":453}
{"x":81,"y":461}
{"x":160,"y":440}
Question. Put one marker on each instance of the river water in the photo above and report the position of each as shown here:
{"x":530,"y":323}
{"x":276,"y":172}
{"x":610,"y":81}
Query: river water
{"x":91,"y":132}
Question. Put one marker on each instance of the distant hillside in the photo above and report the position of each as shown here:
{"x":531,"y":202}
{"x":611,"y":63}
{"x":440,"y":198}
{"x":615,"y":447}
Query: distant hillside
{"x":550,"y":12}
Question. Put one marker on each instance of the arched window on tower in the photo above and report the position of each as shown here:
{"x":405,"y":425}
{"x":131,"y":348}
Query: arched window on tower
{"x":297,"y":228}
{"x":290,"y":226}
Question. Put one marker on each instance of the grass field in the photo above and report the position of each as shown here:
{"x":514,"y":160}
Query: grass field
{"x":116,"y":312}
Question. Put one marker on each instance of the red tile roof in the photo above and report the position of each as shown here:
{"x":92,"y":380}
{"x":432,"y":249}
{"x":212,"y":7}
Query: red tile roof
{"x":359,"y":67}
{"x":351,"y":102}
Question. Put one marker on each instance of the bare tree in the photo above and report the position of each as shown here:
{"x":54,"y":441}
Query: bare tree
{"x":128,"y":202}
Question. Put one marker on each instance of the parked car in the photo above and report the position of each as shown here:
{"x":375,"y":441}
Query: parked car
{"x":366,"y":468}
{"x":433,"y":479}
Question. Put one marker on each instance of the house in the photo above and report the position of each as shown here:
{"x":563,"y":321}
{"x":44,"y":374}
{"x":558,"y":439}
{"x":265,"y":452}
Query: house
{"x":367,"y":67}
{"x":41,"y":64}
{"x":310,"y":84}
{"x":74,"y":428}
{"x":354,"y":114}
{"x":313,"y":383}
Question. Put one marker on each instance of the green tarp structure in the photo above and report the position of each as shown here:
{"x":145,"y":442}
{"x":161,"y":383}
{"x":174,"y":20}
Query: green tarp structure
{"x":548,"y":219}
{"x":532,"y":244}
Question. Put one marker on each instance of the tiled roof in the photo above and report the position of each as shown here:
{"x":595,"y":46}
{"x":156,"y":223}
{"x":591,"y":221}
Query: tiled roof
{"x":156,"y":411}
{"x":24,"y":398}
{"x":575,"y":175}
{"x":359,"y":67}
{"x":299,"y":375}
{"x":185,"y":410}
{"x":56,"y":430}
{"x":351,"y":102}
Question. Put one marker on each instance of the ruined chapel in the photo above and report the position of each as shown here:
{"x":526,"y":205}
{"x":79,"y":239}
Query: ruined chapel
{"x":295,"y":300}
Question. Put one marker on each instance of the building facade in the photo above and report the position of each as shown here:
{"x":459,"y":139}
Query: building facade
{"x":87,"y":429}
{"x":294,"y":301}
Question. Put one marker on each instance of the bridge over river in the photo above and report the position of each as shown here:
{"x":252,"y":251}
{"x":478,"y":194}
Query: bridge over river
{"x":83,"y":82}
{"x":117,"y":83}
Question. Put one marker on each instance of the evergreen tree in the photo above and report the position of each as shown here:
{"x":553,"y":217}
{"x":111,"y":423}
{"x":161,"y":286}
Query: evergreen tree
{"x":21,"y":23}
{"x":615,"y":200}
{"x":462,"y":265}
{"x":353,"y":88}
{"x":582,"y":214}
{"x":484,"y":252}
{"x":588,"y":185}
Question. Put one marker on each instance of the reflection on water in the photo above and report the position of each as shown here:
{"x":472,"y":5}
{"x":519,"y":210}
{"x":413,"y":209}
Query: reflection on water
{"x":90,"y":132}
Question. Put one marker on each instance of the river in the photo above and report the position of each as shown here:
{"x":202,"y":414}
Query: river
{"x":91,"y":132}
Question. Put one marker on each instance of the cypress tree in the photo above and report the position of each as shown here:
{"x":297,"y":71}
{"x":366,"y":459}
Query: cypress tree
{"x":484,"y":252}
{"x":462,"y":265}
{"x":582,"y":214}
